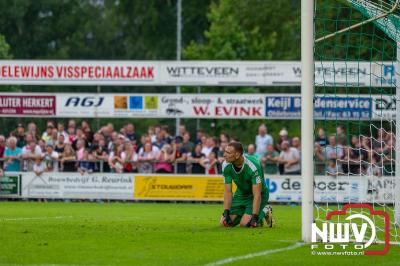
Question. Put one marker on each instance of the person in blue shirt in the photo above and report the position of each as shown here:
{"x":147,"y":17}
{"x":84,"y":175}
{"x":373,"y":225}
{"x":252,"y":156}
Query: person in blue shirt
{"x":12,"y":155}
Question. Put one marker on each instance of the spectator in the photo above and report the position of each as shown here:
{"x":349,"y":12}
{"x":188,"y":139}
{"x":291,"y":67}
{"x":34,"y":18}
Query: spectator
{"x":87,"y":132}
{"x":12,"y":155}
{"x":60,"y":144}
{"x":50,"y":158}
{"x":164,"y":158}
{"x":130,"y":132}
{"x":80,"y":148}
{"x":321,"y":138}
{"x":71,"y":134}
{"x":270,"y":160}
{"x":200,"y":135}
{"x":46,"y":136}
{"x":39,"y":167}
{"x":210,"y":164}
{"x":331,"y":168}
{"x":146,"y":158}
{"x":180,"y":155}
{"x":29,"y":153}
{"x":115,"y":161}
{"x":223,"y":137}
{"x":87,"y":164}
{"x":283,"y":136}
{"x":32,"y":129}
{"x":2,"y":149}
{"x":68,"y":159}
{"x":182,"y":130}
{"x":251,"y":150}
{"x":20,"y":135}
{"x":166,"y":136}
{"x":332,"y":150}
{"x":341,"y":135}
{"x":187,"y":144}
{"x":42,"y":145}
{"x":262,"y":140}
{"x":159,"y":143}
{"x":129,"y":158}
{"x":61,"y":131}
{"x":208,"y":147}
{"x":195,"y":158}
{"x":296,"y":144}
{"x":100,"y":153}
{"x":290,"y":158}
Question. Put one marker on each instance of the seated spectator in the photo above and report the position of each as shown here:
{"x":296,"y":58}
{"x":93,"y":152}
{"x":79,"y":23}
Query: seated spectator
{"x":195,"y":158}
{"x":12,"y":155}
{"x":86,"y":165}
{"x":290,"y":159}
{"x":146,"y":158}
{"x":68,"y":159}
{"x":270,"y":160}
{"x":50,"y":158}
{"x":164,"y":160}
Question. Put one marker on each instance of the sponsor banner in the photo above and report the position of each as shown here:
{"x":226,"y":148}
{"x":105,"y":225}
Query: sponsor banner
{"x":325,"y":107}
{"x":165,"y":187}
{"x":10,"y":185}
{"x":379,"y":190}
{"x":384,"y":107}
{"x":27,"y":105}
{"x":77,"y":186}
{"x":192,"y":73}
{"x":85,"y":105}
{"x":326,"y":189}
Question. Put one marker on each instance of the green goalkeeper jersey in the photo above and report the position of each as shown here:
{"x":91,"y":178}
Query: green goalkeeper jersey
{"x":250,"y":174}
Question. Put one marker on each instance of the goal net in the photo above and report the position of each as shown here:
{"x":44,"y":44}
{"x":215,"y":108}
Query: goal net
{"x":356,"y":57}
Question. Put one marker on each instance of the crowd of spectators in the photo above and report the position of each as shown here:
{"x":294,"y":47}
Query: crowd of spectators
{"x":77,"y":148}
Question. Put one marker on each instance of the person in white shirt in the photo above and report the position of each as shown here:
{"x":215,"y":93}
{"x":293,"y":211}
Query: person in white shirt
{"x":50,"y":157}
{"x":29,"y":152}
{"x":39,"y":167}
{"x":263,"y":140}
{"x":290,"y":158}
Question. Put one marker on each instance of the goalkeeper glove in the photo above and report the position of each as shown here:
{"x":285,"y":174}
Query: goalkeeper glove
{"x":227,"y":219}
{"x":253,"y":221}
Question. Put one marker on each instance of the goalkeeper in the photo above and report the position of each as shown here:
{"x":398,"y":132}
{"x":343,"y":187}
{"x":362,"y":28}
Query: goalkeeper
{"x":248,"y":206}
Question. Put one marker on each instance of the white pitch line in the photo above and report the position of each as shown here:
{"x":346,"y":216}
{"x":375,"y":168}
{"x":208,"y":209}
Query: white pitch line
{"x":34,"y":218}
{"x":253,"y":255}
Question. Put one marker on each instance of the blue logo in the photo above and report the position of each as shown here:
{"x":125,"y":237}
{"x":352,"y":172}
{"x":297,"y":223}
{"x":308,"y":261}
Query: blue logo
{"x":271,"y":185}
{"x":136,"y":102}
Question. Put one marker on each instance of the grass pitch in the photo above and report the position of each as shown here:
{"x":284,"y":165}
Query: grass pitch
{"x":34,"y":233}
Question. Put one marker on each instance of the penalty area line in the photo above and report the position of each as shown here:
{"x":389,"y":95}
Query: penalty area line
{"x":253,"y":255}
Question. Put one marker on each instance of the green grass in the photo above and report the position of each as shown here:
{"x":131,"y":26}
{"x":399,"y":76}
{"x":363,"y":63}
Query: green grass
{"x":151,"y":234}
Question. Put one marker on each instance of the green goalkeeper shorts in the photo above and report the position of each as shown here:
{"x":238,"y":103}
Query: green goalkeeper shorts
{"x":243,"y":204}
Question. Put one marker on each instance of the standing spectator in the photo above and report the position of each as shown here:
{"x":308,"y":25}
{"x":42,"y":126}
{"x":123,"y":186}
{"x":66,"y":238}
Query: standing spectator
{"x":61,"y":131}
{"x":321,"y":139}
{"x":2,"y":149}
{"x":262,"y":140}
{"x":130,"y":132}
{"x":332,"y":150}
{"x":87,"y":164}
{"x":115,"y":161}
{"x":180,"y":155}
{"x":270,"y":160}
{"x":341,"y":135}
{"x":164,"y":159}
{"x":283,"y":136}
{"x":290,"y":158}
{"x":100,"y":153}
{"x":32,"y":129}
{"x":71,"y":134}
{"x":87,"y":131}
{"x":42,"y":145}
{"x":129,"y":158}
{"x":195,"y":158}
{"x":296,"y":143}
{"x":46,"y":136}
{"x":186,"y":143}
{"x":166,"y":136}
{"x":50,"y":158}
{"x":39,"y":167}
{"x":146,"y":158}
{"x":20,"y":135}
{"x":80,"y":148}
{"x":208,"y":147}
{"x":68,"y":159}
{"x":251,"y":150}
{"x":212,"y":163}
{"x":223,"y":137}
{"x":159,"y":141}
{"x":199,"y":136}
{"x":29,"y":153}
{"x":60,"y":144}
{"x":181,"y":130}
{"x":12,"y":155}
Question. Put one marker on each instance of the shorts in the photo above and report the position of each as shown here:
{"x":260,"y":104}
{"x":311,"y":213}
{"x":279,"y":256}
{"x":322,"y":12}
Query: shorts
{"x":243,"y":204}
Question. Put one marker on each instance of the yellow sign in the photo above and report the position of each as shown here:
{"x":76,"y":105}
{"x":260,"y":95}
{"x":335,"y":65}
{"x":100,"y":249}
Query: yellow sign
{"x":179,"y":187}
{"x":151,"y":102}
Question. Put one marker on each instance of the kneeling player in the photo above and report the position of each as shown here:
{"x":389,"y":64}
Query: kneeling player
{"x":249,"y":204}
